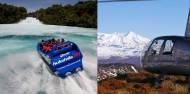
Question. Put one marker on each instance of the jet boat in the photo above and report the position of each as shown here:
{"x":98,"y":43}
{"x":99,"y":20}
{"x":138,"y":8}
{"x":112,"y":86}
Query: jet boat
{"x":63,"y":59}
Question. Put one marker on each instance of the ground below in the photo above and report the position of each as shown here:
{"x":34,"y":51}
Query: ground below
{"x":141,"y":83}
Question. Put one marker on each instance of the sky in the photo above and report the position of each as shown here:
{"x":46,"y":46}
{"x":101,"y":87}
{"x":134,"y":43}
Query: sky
{"x":149,"y":19}
{"x":33,"y":5}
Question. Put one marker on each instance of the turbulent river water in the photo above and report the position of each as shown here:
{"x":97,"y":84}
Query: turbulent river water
{"x":22,"y":71}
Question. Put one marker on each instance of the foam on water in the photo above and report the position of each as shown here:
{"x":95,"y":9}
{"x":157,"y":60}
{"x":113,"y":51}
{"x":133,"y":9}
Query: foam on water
{"x":22,"y":71}
{"x":30,"y":21}
{"x":30,"y":26}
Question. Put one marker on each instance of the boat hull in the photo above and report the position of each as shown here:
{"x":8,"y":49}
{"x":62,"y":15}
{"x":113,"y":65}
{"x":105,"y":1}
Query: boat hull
{"x":63,"y":68}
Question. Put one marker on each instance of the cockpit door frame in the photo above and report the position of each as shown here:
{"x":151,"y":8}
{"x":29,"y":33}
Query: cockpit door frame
{"x":149,"y":54}
{"x":170,"y":57}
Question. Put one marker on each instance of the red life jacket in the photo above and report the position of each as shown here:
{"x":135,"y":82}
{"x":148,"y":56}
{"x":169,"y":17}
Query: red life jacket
{"x":49,"y":45}
{"x":54,"y":42}
{"x":42,"y":43}
{"x":44,"y":47}
{"x":48,"y":49}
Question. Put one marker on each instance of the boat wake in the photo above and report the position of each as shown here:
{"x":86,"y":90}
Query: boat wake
{"x":26,"y":73}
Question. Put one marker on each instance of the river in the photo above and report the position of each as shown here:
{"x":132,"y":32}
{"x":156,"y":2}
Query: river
{"x":22,"y":71}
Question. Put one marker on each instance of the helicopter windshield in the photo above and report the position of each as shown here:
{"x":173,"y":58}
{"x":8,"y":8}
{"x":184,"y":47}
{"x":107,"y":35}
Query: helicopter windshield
{"x":147,"y":46}
{"x":156,"y":47}
{"x":152,"y":48}
{"x":144,"y":51}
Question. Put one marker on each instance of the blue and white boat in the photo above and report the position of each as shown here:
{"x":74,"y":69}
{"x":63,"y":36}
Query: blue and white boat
{"x":63,"y":59}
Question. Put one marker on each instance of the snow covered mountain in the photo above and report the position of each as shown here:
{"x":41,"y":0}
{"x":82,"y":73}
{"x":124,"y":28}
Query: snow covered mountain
{"x":120,"y":48}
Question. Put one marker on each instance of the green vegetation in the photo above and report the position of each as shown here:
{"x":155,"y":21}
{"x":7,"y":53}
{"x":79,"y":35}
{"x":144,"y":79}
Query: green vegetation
{"x":140,"y":83}
{"x":82,"y":14}
{"x":11,"y":14}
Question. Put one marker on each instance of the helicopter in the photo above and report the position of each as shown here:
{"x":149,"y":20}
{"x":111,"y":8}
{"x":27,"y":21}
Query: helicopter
{"x":166,"y":55}
{"x":169,"y":55}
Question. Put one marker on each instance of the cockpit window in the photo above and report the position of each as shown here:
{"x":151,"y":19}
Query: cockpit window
{"x":156,"y":47}
{"x":168,"y":49}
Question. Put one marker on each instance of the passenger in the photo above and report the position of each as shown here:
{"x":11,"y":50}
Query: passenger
{"x":53,"y":43}
{"x":58,"y":41}
{"x":49,"y":40}
{"x":44,"y":46}
{"x":49,"y":44}
{"x":48,"y":49}
{"x":53,"y":40}
{"x":62,"y":40}
{"x":42,"y":43}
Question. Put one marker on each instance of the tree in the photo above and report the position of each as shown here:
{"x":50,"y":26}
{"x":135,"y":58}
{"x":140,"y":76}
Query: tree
{"x":82,"y":14}
{"x":11,"y":14}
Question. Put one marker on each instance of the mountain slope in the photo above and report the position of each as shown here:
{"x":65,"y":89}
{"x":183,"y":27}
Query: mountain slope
{"x":114,"y":70}
{"x":120,"y":48}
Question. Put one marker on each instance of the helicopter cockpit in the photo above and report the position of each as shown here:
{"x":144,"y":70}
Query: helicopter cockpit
{"x":167,"y":53}
{"x":167,"y":46}
{"x":160,"y":50}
